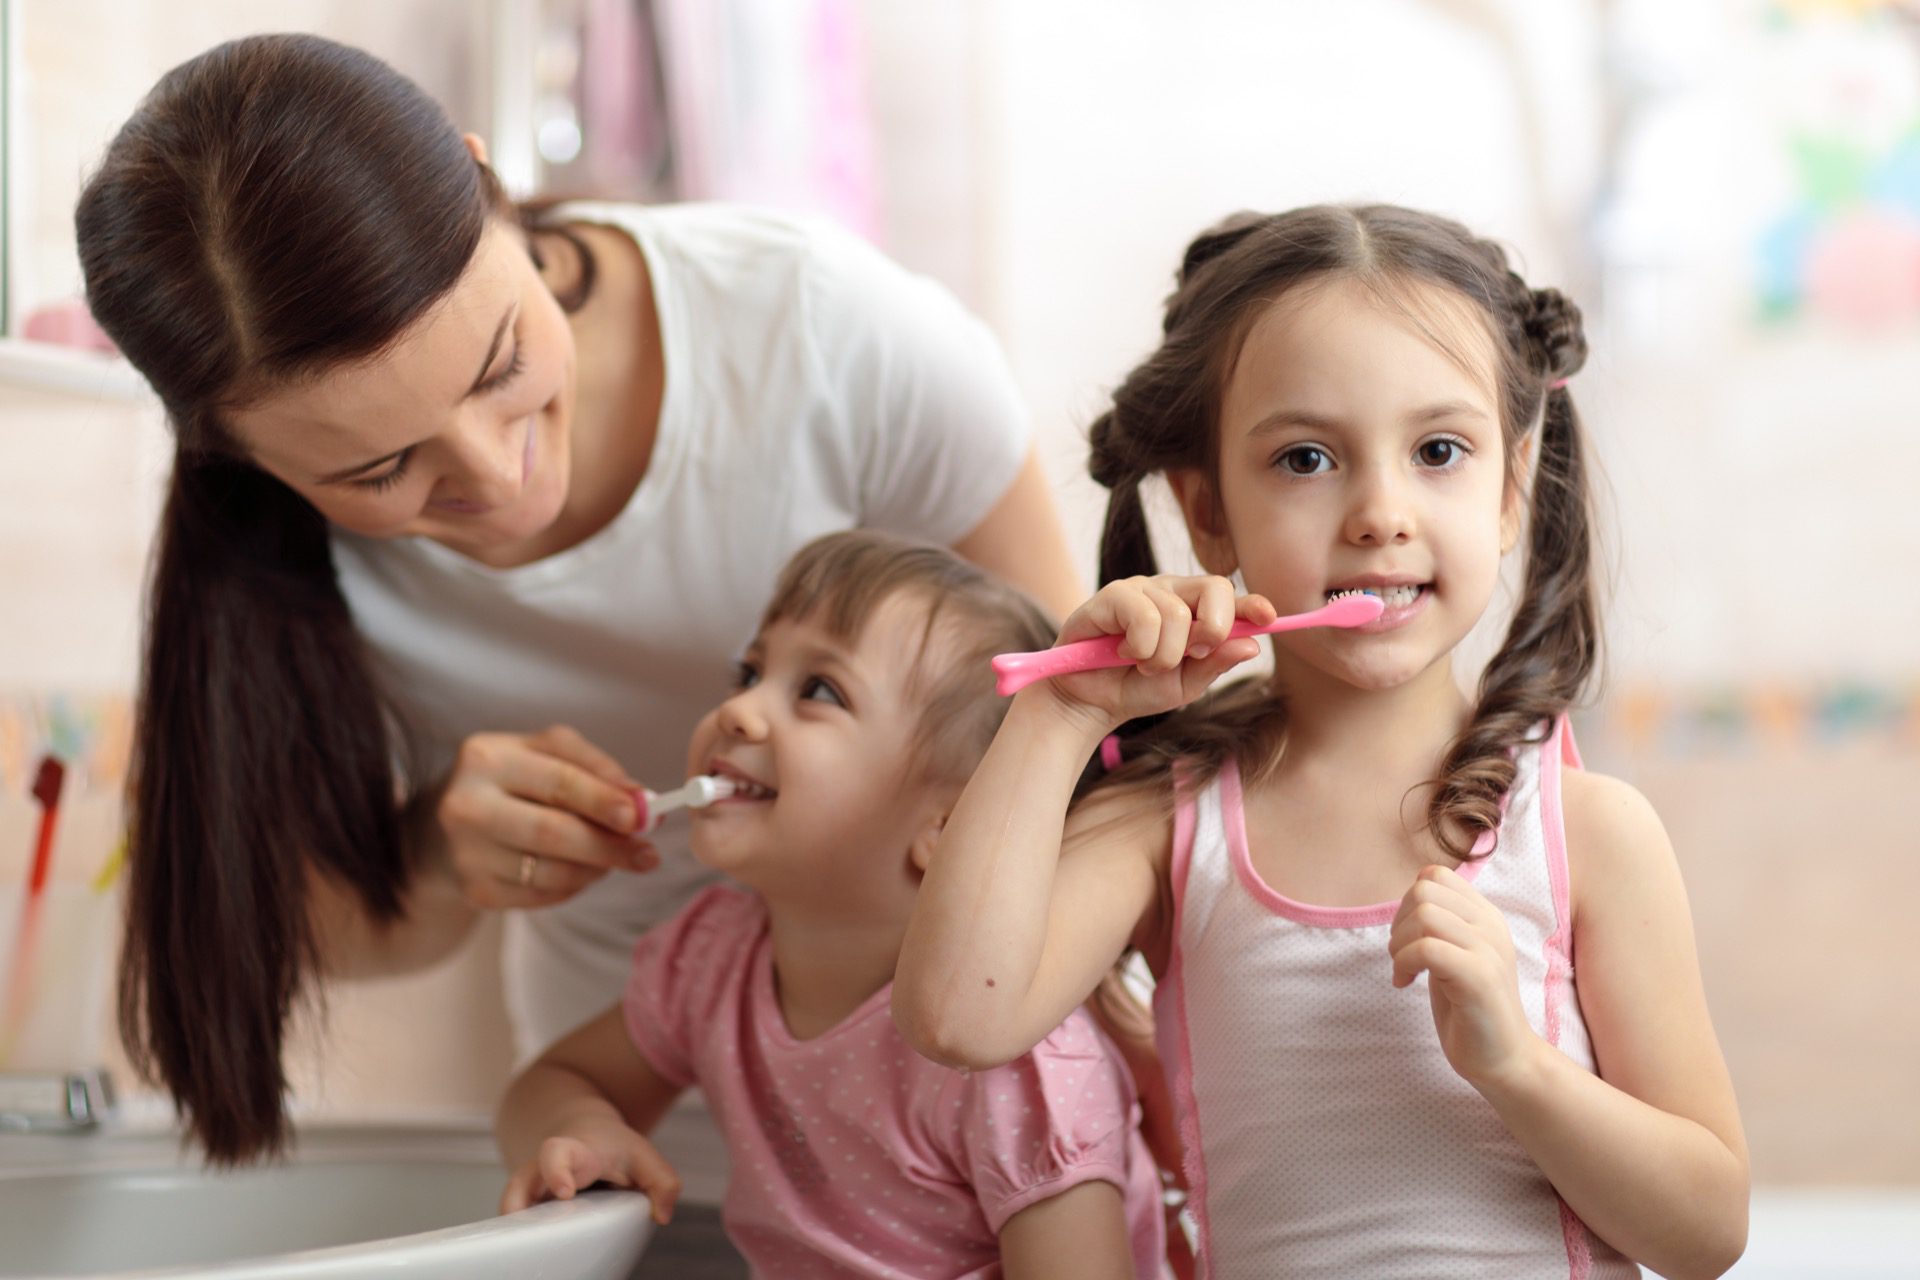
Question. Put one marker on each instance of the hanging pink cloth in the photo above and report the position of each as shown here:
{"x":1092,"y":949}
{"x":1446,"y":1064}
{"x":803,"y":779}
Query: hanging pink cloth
{"x":623,"y":127}
{"x":767,"y":103}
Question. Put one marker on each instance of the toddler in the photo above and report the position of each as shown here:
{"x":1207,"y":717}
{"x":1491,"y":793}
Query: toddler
{"x":861,"y":707}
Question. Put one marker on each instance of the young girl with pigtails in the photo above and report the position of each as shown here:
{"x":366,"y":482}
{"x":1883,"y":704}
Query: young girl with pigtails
{"x":1362,"y":891}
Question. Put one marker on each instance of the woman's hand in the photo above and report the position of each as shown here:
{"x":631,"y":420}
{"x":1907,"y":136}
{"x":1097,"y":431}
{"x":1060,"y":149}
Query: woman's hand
{"x":1446,"y":929}
{"x":529,"y":821}
{"x":587,"y":1153}
{"x":1175,"y":630}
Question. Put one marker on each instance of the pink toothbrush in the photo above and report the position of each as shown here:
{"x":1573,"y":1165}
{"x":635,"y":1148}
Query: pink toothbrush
{"x":1018,"y":670}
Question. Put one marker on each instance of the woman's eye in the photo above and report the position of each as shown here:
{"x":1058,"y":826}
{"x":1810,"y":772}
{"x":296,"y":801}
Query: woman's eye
{"x":1441,"y":452}
{"x":507,"y":374}
{"x":1305,"y":460}
{"x":818,"y":689}
{"x":745,"y":675}
{"x":386,"y":479}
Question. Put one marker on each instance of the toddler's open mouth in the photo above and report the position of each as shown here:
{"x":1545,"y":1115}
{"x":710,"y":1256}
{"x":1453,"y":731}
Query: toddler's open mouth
{"x":744,"y":787}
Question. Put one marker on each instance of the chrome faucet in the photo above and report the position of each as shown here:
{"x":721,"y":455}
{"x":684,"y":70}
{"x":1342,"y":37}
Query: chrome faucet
{"x":50,"y":1102}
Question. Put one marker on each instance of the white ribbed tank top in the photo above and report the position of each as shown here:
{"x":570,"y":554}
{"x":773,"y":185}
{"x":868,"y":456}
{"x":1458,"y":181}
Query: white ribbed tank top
{"x":1325,"y":1133}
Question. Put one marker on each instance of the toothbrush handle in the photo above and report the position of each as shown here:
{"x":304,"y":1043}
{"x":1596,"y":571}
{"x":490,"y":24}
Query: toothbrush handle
{"x":646,"y":808}
{"x":1018,"y":670}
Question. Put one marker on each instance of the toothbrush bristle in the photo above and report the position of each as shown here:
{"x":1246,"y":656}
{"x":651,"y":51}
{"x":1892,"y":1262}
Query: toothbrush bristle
{"x":1355,"y":608}
{"x":712,"y":787}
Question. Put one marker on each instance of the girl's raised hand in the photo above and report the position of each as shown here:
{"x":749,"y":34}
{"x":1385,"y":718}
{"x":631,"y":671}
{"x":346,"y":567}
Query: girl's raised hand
{"x":1446,"y":929}
{"x":570,"y":1162}
{"x":530,"y":820}
{"x":1175,"y":630}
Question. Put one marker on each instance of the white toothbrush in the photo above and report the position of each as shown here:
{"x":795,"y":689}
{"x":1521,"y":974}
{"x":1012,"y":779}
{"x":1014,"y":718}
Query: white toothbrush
{"x":698,"y":793}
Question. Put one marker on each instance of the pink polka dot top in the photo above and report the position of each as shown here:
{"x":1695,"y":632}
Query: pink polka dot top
{"x":854,"y":1156}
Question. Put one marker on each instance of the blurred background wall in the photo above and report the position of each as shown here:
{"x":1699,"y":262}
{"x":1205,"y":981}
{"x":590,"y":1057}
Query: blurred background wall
{"x":1731,"y":190}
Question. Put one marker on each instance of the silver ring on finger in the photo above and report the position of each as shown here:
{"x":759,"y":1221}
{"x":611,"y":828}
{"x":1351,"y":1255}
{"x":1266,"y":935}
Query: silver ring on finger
{"x":527,"y":864}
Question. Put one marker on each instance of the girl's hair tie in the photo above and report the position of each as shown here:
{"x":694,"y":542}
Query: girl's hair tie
{"x":1110,"y":752}
{"x":1558,"y":384}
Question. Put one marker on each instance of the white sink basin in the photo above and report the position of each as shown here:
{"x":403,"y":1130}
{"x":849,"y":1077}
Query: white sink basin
{"x":350,"y":1202}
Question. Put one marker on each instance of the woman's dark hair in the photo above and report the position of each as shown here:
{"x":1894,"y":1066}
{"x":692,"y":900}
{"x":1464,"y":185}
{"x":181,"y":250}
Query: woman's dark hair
{"x":1166,"y":415}
{"x":275,"y":207}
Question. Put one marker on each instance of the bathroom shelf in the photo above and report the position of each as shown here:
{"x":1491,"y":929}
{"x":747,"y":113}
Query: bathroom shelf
{"x":42,"y":366}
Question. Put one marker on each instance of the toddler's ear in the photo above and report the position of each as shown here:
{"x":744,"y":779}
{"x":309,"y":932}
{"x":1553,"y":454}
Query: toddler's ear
{"x":1206,"y":522}
{"x":921,"y":850}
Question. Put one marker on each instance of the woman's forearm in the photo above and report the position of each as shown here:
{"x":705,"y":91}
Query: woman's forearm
{"x":435,"y":918}
{"x":1023,"y":540}
{"x":1665,"y":1190}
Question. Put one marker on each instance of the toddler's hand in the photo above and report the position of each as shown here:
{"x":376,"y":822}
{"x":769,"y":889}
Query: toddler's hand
{"x":566,"y":1164}
{"x":1446,"y":929}
{"x":1175,"y":630}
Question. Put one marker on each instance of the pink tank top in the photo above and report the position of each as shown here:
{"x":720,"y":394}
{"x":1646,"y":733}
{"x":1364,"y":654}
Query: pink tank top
{"x":1325,"y":1133}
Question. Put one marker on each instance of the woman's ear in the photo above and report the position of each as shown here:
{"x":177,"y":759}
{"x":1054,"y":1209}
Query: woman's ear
{"x":1206,"y":522}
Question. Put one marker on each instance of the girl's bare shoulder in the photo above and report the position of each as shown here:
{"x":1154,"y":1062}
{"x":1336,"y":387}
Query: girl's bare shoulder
{"x":1617,"y":847}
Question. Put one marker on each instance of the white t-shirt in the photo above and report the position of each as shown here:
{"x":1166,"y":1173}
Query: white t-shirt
{"x":811,"y":385}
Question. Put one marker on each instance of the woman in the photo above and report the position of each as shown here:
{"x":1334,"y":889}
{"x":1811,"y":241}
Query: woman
{"x":469,"y":515}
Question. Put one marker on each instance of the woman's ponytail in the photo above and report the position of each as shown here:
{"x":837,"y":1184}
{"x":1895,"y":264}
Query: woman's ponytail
{"x":260,"y":750}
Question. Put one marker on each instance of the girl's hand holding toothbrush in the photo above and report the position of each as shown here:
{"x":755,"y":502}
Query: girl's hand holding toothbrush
{"x":1447,"y":929}
{"x":530,"y":820}
{"x":1175,"y":630}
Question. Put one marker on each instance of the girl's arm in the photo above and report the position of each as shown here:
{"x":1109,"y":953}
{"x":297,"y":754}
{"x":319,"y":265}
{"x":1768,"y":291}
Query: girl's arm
{"x":1022,"y":912}
{"x":578,"y":1116}
{"x":1019,"y":918}
{"x":1649,"y":1152}
{"x":1080,"y":1234}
